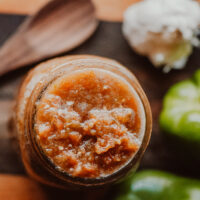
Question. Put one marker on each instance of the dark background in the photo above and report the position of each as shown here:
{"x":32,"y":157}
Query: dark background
{"x":109,"y":42}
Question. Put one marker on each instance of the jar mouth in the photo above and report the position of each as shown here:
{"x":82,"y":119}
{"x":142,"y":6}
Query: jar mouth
{"x":85,"y":181}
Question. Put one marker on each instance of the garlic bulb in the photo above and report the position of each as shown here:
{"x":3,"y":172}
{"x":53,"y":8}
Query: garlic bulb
{"x":163,"y":30}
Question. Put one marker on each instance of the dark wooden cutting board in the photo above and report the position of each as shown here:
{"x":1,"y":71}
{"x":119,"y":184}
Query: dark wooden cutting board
{"x":108,"y":41}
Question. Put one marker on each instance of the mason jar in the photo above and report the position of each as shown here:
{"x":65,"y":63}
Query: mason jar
{"x":82,"y":122}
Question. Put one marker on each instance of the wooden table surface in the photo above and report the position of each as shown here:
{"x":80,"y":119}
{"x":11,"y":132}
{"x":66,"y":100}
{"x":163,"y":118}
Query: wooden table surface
{"x":109,"y":10}
{"x":109,"y":42}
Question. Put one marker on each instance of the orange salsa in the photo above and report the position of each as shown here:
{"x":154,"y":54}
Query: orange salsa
{"x":87,"y":123}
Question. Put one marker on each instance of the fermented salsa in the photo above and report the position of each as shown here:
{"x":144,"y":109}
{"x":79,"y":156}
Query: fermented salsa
{"x":87,"y":123}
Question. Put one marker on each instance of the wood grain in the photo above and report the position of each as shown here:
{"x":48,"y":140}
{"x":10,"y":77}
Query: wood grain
{"x":21,"y":6}
{"x":108,"y":41}
{"x":5,"y":117}
{"x":13,"y":187}
{"x":58,"y":27}
{"x":20,"y":187}
{"x":108,"y":10}
{"x":112,"y":10}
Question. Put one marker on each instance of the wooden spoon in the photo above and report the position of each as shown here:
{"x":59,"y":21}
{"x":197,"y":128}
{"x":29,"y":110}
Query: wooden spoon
{"x":58,"y":27}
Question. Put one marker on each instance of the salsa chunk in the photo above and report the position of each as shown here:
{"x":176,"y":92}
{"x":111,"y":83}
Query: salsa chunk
{"x":88,"y":123}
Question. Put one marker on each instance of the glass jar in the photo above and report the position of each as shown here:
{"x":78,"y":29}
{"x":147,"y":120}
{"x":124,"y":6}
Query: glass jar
{"x":37,"y":163}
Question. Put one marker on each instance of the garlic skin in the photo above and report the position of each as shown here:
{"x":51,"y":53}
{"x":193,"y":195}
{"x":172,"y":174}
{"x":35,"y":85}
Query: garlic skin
{"x":163,"y":30}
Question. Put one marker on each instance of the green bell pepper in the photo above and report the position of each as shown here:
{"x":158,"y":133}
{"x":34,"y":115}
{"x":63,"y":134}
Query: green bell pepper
{"x":157,"y":185}
{"x":180,"y":117}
